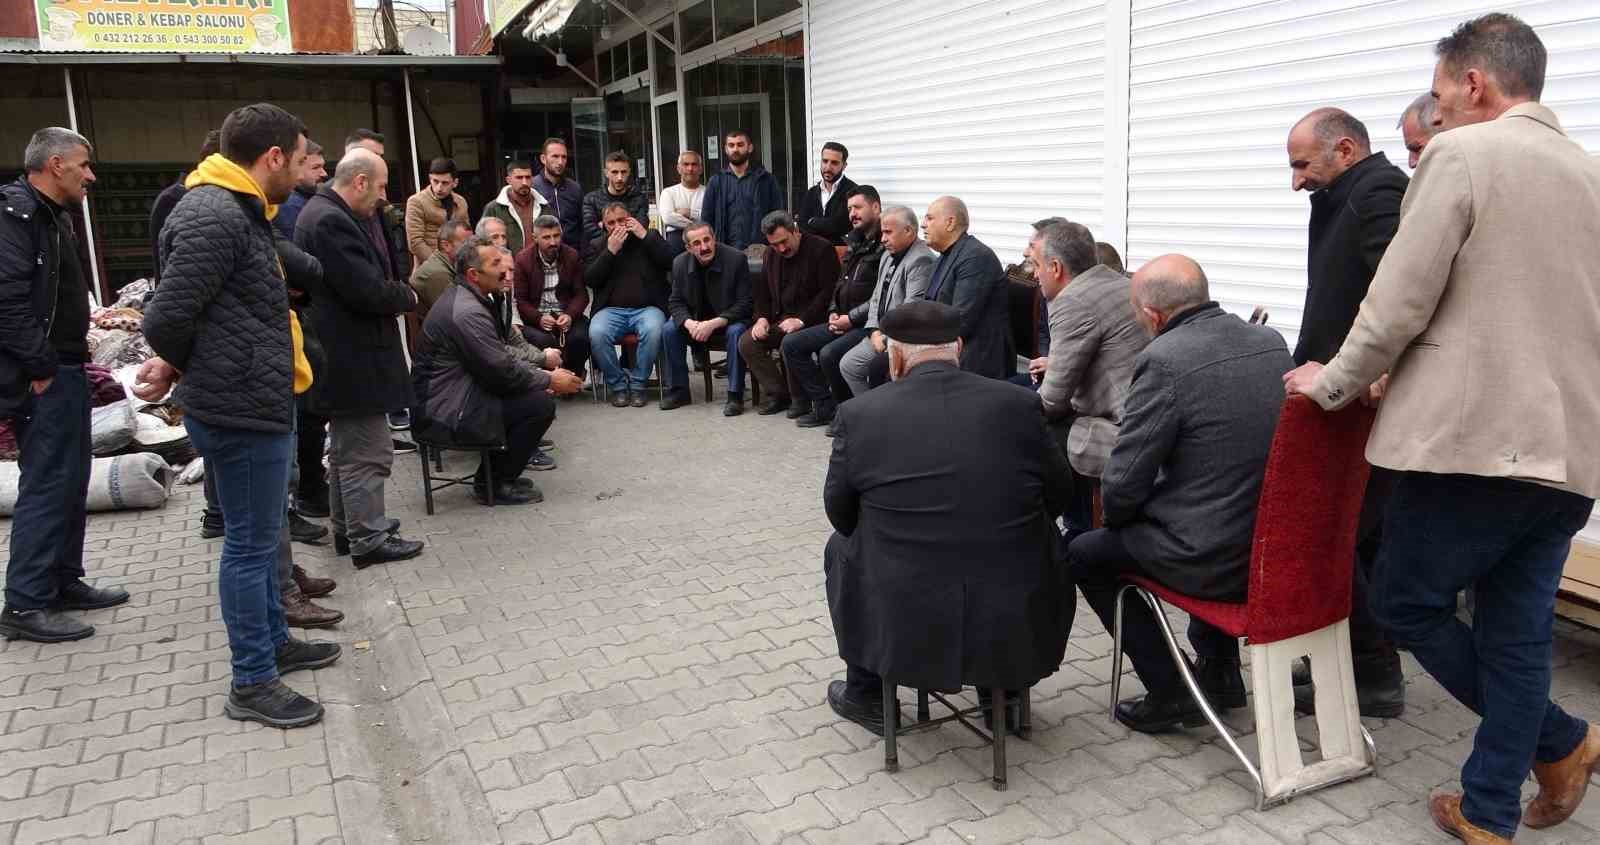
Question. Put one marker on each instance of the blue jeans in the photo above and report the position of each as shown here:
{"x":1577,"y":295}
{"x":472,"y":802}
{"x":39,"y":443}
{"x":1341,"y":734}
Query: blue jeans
{"x":675,"y":344}
{"x":47,"y":527}
{"x":1509,"y":540}
{"x":252,"y":477}
{"x":610,"y":326}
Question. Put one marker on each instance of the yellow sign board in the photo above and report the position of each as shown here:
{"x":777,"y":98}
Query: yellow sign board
{"x":165,"y":26}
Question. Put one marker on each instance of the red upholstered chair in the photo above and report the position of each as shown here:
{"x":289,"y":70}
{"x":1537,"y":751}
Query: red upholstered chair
{"x":629,"y":344}
{"x":1298,"y":605}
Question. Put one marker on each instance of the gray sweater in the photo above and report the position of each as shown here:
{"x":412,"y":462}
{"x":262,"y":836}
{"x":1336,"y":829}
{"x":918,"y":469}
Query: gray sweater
{"x":1184,"y":478}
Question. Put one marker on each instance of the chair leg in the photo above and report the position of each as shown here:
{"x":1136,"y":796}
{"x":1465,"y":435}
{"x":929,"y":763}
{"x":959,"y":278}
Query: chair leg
{"x":997,"y":706}
{"x":1189,"y":680}
{"x":438,"y":460}
{"x":704,"y":360}
{"x":891,"y":754}
{"x":922,"y":705}
{"x":1025,"y":730}
{"x":427,"y":478}
{"x":1116,"y":650}
{"x":488,"y":476}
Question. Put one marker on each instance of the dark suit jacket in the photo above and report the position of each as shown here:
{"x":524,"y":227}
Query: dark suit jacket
{"x":798,"y":286}
{"x":831,"y":221}
{"x":721,"y":288}
{"x":1185,"y":475}
{"x":943,"y":570}
{"x":969,"y":277}
{"x":353,"y":314}
{"x":1352,"y":222}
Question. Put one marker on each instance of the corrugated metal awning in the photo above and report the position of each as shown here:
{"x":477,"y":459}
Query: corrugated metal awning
{"x":303,"y":59}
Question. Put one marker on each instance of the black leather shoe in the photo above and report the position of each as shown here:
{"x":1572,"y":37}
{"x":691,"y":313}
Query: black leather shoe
{"x":295,"y":655}
{"x":636,"y":400}
{"x":820,"y":416}
{"x":393,"y":549}
{"x":867,"y":714}
{"x":773,"y":406}
{"x":547,"y":443}
{"x":42,"y":626}
{"x":733,"y":407}
{"x":77,"y":595}
{"x":508,"y":493}
{"x":619,"y":399}
{"x":302,"y":531}
{"x":1379,"y":694}
{"x":273,"y":704}
{"x":674,"y":400}
{"x":1221,"y":681}
{"x":798,"y":408}
{"x":314,"y":505}
{"x":1150,"y":716}
{"x":210,"y":527}
{"x":541,"y":461}
{"x":523,"y":484}
{"x":341,"y":542}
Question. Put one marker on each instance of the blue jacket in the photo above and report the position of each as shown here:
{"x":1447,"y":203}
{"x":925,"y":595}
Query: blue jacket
{"x":734,"y":206}
{"x":566,"y":203}
{"x":289,"y":210}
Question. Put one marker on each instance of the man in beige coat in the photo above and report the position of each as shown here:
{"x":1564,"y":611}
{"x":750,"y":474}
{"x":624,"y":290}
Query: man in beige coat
{"x":428,"y":208}
{"x":1485,"y":313}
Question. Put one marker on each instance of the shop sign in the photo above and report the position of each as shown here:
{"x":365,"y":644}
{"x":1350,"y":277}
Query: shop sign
{"x":165,"y":26}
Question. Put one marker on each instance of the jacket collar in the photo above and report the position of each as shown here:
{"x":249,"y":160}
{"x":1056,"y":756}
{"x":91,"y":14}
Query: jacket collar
{"x":439,"y":258}
{"x":504,"y":198}
{"x":755,"y":169}
{"x":19,"y":199}
{"x":927,"y":368}
{"x":1341,"y":187}
{"x":1534,"y":111}
{"x":474,"y":293}
{"x":327,"y":192}
{"x":1208,"y":309}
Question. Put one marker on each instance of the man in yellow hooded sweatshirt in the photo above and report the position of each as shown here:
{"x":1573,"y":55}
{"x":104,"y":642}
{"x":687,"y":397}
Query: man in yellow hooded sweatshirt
{"x":220,"y":323}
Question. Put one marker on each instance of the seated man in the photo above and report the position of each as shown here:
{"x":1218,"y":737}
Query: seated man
{"x":1094,"y":340}
{"x":710,"y":294}
{"x":903,"y":273}
{"x":437,"y":272}
{"x":797,"y":280}
{"x":1180,"y":489}
{"x":551,"y":296}
{"x":847,"y":314}
{"x":470,"y":390}
{"x":942,"y":570}
{"x":628,"y":273}
{"x":968,"y":276}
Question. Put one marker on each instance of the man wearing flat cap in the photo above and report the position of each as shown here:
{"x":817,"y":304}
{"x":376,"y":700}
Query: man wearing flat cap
{"x":942,"y":572}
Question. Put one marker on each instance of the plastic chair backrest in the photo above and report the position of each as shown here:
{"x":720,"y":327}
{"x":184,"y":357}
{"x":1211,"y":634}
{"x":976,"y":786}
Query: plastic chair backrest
{"x":1306,"y":523}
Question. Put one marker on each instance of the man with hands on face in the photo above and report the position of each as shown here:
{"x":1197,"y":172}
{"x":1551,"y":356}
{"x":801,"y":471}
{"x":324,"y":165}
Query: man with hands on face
{"x":710,"y":294}
{"x":627,"y":272}
{"x":797,"y":280}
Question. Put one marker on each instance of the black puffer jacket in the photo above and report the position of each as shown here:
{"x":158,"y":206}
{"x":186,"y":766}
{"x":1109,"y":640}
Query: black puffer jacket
{"x":30,"y":266}
{"x":858,"y":275}
{"x":221,"y":312}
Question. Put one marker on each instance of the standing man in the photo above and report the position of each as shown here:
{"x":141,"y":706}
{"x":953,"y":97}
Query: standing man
{"x":44,"y":321}
{"x":710,"y":294}
{"x":516,"y":206}
{"x":311,"y":176}
{"x":221,"y":324}
{"x":742,"y":195}
{"x":1355,"y":209}
{"x":551,"y":295}
{"x":1094,"y":341}
{"x":823,"y":212}
{"x":366,"y":376}
{"x":969,"y":277}
{"x":169,"y":196}
{"x":1418,"y":124}
{"x":428,"y":208}
{"x":1484,"y":313}
{"x":903,"y":273}
{"x":620,"y":187}
{"x":683,"y":204}
{"x":562,"y":197}
{"x":797,"y":280}
{"x":628,"y":273}
{"x":377,"y":225}
{"x":819,"y":378}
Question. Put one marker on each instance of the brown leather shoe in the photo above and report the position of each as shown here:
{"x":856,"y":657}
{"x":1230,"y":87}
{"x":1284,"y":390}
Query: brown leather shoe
{"x":312,"y":586}
{"x":1445,"y":807}
{"x":1563,"y":783}
{"x":299,"y":612}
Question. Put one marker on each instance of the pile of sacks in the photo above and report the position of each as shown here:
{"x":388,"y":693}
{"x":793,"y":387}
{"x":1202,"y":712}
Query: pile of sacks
{"x":136,"y":443}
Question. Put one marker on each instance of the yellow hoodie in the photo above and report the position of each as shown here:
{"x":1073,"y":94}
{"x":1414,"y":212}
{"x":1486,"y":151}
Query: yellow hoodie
{"x":225,"y":173}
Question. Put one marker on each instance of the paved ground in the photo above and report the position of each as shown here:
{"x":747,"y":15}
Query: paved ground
{"x":643,"y":657}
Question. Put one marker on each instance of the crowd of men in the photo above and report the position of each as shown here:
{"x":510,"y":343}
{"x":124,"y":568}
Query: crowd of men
{"x":275,"y":322}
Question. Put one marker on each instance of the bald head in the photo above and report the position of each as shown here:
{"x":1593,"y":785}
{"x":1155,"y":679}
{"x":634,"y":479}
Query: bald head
{"x":946,"y":221}
{"x":1165,"y":287}
{"x":361,"y":180}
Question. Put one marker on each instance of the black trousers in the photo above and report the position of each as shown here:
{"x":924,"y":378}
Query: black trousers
{"x":878,"y":370}
{"x":309,"y":442}
{"x":1374,"y":654}
{"x":1097,"y":558}
{"x":574,"y":348}
{"x":55,"y":458}
{"x":819,"y":378}
{"x":1079,"y":514}
{"x":527,"y":417}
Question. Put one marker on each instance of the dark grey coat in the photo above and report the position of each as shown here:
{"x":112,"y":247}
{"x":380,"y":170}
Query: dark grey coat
{"x":969,"y":277}
{"x":1185,"y":475}
{"x":464,"y":370}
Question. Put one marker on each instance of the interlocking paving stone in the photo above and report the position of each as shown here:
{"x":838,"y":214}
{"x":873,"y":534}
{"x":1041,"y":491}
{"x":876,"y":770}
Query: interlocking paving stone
{"x":643,"y":656}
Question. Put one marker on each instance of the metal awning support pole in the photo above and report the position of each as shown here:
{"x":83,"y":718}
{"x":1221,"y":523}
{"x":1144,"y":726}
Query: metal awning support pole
{"x":647,"y":28}
{"x":411,"y":127}
{"x":573,"y":68}
{"x":95,"y":292}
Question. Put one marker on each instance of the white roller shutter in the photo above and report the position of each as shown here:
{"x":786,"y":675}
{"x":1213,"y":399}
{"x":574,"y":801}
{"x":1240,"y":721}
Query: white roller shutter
{"x":1000,"y":103}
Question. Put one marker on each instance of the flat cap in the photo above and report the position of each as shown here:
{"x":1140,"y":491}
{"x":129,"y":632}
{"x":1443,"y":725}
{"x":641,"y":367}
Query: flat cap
{"x":922,"y":321}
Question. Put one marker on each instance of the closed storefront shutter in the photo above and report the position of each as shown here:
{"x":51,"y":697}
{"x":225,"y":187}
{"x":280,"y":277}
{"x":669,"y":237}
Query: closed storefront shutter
{"x":1000,"y":103}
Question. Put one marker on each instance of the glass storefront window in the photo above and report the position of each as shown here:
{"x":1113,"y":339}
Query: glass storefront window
{"x":638,"y":61}
{"x":696,"y":23}
{"x":666,"y":68}
{"x":667,"y":131}
{"x":761,"y":91}
{"x":734,"y":16}
{"x":766,"y":10}
{"x":628,"y":129}
{"x":602,"y":59}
